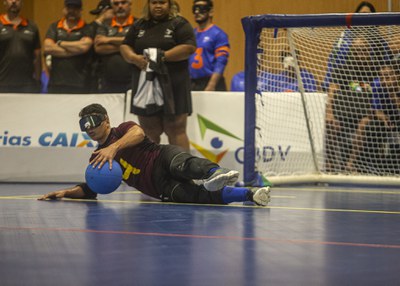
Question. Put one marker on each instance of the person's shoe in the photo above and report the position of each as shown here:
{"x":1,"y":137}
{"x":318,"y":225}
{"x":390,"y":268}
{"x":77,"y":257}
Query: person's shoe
{"x":261,"y":196}
{"x":220,"y":178}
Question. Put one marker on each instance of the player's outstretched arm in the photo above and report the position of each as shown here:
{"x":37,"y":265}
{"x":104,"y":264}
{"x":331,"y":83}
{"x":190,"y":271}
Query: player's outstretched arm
{"x":75,"y":192}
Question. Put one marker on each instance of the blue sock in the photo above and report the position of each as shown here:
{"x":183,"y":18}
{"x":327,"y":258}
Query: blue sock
{"x":212,"y":170}
{"x":234,"y":194}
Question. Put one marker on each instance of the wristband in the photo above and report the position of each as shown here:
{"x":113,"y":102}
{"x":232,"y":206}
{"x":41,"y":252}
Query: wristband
{"x":58,"y":43}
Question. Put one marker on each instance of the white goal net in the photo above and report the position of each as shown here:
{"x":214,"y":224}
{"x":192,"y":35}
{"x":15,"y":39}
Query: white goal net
{"x":326,"y":101}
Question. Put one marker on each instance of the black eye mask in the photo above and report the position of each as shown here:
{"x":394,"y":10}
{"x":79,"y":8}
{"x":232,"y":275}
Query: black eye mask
{"x":201,"y":9}
{"x":91,"y":121}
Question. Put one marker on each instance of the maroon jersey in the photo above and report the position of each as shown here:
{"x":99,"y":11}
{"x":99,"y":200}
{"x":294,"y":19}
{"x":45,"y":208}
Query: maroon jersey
{"x":137,"y":162}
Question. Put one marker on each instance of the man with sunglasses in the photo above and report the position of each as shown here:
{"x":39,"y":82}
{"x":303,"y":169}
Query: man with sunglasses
{"x":208,"y":63}
{"x":103,"y":13}
{"x":165,"y":172}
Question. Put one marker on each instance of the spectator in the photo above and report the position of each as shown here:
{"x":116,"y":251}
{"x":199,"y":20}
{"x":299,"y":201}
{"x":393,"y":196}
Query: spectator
{"x":349,"y":100}
{"x":173,"y":36}
{"x":376,"y":146}
{"x":208,"y":63}
{"x":116,"y":72}
{"x":365,"y":7}
{"x":20,"y":51}
{"x":68,"y":41}
{"x":342,"y":45}
{"x":286,"y":81}
{"x":104,"y":13}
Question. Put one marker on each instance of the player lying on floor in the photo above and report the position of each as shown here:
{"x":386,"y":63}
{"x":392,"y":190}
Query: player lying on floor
{"x":165,"y":172}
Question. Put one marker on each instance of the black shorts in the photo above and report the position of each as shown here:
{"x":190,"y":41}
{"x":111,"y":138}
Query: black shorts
{"x":200,"y":84}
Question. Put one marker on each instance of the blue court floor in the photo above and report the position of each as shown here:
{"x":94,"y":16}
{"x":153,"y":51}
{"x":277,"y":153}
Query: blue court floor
{"x":306,"y":236}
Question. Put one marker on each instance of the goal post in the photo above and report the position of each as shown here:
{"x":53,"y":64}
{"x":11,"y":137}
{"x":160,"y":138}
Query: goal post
{"x":322,"y":98}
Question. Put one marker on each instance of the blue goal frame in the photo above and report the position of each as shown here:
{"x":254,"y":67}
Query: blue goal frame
{"x":252,"y":26}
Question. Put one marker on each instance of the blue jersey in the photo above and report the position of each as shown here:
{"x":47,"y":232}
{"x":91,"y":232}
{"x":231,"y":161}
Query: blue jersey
{"x":283,"y":83}
{"x":212,"y":52}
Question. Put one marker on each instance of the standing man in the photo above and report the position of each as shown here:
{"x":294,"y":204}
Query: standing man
{"x":208,"y":63}
{"x":116,"y":74}
{"x":104,"y":13}
{"x":20,"y":51}
{"x":68,"y":41}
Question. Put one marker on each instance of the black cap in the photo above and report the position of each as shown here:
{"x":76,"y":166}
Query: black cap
{"x":103,"y":4}
{"x":76,"y":3}
{"x":209,"y":2}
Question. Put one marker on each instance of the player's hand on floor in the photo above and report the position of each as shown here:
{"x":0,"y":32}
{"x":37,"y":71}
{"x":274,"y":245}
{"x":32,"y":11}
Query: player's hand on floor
{"x":53,"y":195}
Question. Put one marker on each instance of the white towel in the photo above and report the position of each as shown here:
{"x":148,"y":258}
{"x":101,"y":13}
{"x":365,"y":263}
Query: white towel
{"x":149,"y":95}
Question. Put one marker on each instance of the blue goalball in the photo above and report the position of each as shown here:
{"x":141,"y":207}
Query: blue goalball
{"x":104,"y":180}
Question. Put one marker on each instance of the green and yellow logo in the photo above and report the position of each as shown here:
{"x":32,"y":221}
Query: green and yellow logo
{"x":216,"y":142}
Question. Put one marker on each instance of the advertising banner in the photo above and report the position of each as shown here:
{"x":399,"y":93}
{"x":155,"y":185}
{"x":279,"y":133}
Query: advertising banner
{"x":40,"y":139}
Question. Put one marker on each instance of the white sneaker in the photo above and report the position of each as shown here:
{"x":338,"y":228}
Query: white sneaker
{"x":220,"y":178}
{"x":261,"y":196}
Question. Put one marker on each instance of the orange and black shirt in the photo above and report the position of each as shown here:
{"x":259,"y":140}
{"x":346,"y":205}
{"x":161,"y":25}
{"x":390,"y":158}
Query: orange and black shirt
{"x":17,"y":46}
{"x":115,"y":68}
{"x":72,"y":71}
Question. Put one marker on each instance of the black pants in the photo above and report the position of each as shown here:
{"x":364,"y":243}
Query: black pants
{"x":115,"y":87}
{"x":33,"y":88}
{"x":63,"y":89}
{"x":200,"y":84}
{"x":174,"y":173}
{"x":380,"y":150}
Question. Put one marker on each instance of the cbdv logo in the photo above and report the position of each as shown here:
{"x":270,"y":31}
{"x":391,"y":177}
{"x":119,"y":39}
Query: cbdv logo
{"x":269,"y":153}
{"x":48,"y":139}
{"x":265,"y":154}
{"x":216,"y":142}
